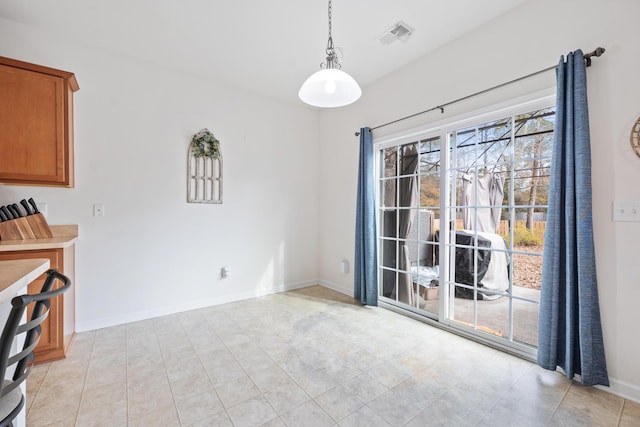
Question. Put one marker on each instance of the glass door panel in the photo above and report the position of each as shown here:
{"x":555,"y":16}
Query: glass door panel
{"x":498,"y":182}
{"x":409,"y":204}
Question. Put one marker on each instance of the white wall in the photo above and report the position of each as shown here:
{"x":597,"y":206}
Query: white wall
{"x":527,"y":39}
{"x":153,"y":253}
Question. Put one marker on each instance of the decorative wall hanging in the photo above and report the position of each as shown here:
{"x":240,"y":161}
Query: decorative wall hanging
{"x":204,"y":169}
{"x":635,"y":137}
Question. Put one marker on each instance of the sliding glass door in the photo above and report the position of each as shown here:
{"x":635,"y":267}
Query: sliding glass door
{"x":462,"y":212}
{"x":409,"y":203}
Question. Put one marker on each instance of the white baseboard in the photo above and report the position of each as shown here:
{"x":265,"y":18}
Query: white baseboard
{"x":91,"y":325}
{"x":336,"y":287}
{"x":623,"y":389}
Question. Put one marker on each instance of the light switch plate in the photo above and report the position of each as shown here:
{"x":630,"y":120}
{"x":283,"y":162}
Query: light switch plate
{"x":626,"y":211}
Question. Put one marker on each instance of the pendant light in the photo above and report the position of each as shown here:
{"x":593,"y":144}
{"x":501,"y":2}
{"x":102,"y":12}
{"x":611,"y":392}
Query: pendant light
{"x":330,"y":87}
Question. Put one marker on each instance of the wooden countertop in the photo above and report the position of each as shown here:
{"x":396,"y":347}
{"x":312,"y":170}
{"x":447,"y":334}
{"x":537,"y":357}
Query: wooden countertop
{"x":63,"y":237}
{"x":15,"y":275}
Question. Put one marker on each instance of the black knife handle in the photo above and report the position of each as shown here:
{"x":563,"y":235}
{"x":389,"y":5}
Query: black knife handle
{"x":26,"y":207}
{"x":15,"y":212}
{"x":34,"y":206}
{"x":6,"y":212}
{"x":17,"y":209}
{"x":3,"y":217}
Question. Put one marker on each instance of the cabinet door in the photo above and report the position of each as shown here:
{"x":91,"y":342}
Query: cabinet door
{"x":33,"y":131}
{"x":51,"y":346}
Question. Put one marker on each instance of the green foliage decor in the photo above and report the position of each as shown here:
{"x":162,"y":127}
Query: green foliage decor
{"x":204,"y":144}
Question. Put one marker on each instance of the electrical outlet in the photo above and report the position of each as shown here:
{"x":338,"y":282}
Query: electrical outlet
{"x":344,"y":266}
{"x":224,"y":272}
{"x":626,"y":211}
{"x":98,"y":209}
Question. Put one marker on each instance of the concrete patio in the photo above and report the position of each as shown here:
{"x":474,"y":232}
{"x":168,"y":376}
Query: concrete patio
{"x":493,"y":316}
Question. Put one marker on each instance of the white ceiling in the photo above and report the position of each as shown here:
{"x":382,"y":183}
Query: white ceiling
{"x":269,"y":47}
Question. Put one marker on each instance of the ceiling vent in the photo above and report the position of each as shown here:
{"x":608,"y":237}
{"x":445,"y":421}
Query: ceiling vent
{"x":400,"y":31}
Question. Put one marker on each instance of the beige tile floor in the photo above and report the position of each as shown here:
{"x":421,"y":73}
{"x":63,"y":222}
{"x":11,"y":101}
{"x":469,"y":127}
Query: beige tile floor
{"x":303,"y":358}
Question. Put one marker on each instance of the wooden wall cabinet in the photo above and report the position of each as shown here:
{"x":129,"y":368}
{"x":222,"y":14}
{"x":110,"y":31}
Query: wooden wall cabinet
{"x":59,"y":327}
{"x":36,"y":126}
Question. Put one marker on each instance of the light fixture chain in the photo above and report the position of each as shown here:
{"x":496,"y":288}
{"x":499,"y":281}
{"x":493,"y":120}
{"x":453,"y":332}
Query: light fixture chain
{"x":332,"y":57}
{"x":330,"y":19}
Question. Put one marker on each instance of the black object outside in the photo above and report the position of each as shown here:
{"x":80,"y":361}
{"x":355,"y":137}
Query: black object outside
{"x":465,"y":271}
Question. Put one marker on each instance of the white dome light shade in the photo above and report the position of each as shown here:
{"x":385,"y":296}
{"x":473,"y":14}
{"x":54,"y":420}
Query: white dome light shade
{"x":329,"y":88}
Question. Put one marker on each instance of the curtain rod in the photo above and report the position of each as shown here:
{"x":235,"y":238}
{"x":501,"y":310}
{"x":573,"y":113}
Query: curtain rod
{"x":587,"y":57}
